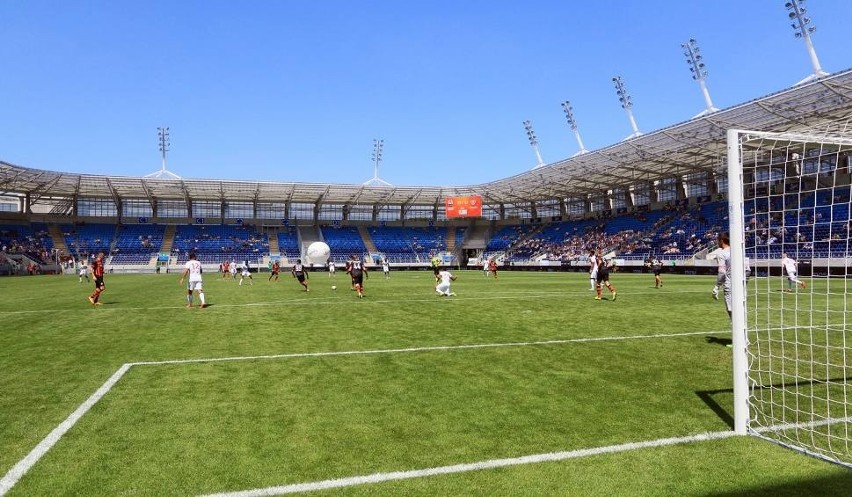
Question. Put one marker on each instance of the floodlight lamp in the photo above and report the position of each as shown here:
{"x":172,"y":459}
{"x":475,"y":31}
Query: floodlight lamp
{"x":791,"y":15}
{"x":788,"y":5}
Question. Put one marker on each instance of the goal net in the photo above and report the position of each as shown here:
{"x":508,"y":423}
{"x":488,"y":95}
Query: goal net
{"x":789,"y":200}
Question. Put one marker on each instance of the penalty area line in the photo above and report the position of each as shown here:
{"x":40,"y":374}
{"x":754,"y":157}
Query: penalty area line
{"x":24,"y":465}
{"x":468,"y":467}
{"x":426,"y":348}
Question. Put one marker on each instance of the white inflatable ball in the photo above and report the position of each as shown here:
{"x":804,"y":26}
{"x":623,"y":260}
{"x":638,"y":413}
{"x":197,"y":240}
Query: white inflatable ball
{"x":318,"y":253}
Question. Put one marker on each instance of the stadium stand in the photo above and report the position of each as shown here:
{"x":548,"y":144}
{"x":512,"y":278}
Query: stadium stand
{"x":136,"y":244}
{"x":288,"y":243}
{"x":214,"y":244}
{"x":811,"y":226}
{"x":31,"y":240}
{"x":679,"y":163}
{"x":409,"y":245}
{"x":343,"y":241}
{"x":84,"y":240}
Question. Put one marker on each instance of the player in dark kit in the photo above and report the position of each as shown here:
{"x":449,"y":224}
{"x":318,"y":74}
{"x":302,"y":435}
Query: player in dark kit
{"x":603,"y":278}
{"x":357,"y":270}
{"x":300,"y":274}
{"x":657,"y":268}
{"x":98,"y":274}
{"x":492,"y":268}
{"x":276,"y":266}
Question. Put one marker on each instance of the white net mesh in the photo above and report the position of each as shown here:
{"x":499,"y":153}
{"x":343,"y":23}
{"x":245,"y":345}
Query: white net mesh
{"x":796,"y":201}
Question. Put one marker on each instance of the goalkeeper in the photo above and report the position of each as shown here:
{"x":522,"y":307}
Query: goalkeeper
{"x":790,"y":267}
{"x":724,"y":258}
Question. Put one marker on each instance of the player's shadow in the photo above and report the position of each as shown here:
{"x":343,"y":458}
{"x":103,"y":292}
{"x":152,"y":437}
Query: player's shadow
{"x":724,"y":342}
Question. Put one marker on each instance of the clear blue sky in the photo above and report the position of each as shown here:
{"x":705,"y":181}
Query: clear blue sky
{"x":297,"y":91}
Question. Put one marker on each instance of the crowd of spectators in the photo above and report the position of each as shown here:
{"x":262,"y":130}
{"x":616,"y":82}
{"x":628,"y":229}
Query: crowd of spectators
{"x":683,"y":231}
{"x":576,"y":247}
{"x":229,"y":242}
{"x":32,"y":245}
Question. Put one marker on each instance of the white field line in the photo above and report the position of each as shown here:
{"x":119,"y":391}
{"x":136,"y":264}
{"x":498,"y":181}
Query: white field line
{"x":520,"y":295}
{"x":805,"y":424}
{"x":477,"y":466}
{"x":24,"y":465}
{"x":428,"y":348}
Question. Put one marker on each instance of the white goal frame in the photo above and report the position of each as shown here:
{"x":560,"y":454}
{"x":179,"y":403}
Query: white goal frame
{"x":744,"y":385}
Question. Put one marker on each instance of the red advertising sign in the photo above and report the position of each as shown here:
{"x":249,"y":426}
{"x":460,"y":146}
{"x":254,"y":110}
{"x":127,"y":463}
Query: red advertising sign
{"x":463,"y":206}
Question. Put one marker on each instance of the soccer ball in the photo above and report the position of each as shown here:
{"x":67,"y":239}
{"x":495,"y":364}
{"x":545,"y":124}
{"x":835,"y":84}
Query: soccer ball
{"x":333,"y":287}
{"x":318,"y":253}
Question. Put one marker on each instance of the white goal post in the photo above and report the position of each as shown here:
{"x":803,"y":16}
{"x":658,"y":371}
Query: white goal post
{"x":789,"y":214}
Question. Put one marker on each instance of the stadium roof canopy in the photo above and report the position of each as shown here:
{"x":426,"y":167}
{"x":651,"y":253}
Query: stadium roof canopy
{"x":694,"y":146}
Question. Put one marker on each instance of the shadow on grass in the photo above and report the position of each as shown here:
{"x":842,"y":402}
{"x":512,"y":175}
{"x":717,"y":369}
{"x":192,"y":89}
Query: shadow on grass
{"x":839,"y":484}
{"x":724,"y":342}
{"x":707,"y":396}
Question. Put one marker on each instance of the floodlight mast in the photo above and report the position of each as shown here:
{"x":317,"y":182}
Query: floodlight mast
{"x":569,"y":116}
{"x":533,"y":142}
{"x":699,"y":72}
{"x":803,"y":28}
{"x":378,"y":150}
{"x":163,"y":135}
{"x":626,"y":104}
{"x":164,"y":144}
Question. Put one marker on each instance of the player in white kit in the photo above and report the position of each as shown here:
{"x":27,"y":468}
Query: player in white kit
{"x":790,"y":267}
{"x":443,"y":287}
{"x":193,"y":270}
{"x":593,"y":270}
{"x":246,"y":273}
{"x":724,"y":258}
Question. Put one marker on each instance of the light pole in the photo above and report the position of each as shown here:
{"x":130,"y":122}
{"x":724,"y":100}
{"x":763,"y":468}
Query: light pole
{"x":626,"y":104}
{"x":163,"y":135}
{"x":533,"y":142}
{"x":802,"y":26}
{"x":569,"y":116}
{"x":378,"y":150}
{"x":699,"y":72}
{"x":164,"y":144}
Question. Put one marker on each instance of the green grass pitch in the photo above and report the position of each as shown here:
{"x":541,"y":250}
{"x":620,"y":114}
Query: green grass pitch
{"x":569,"y":373}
